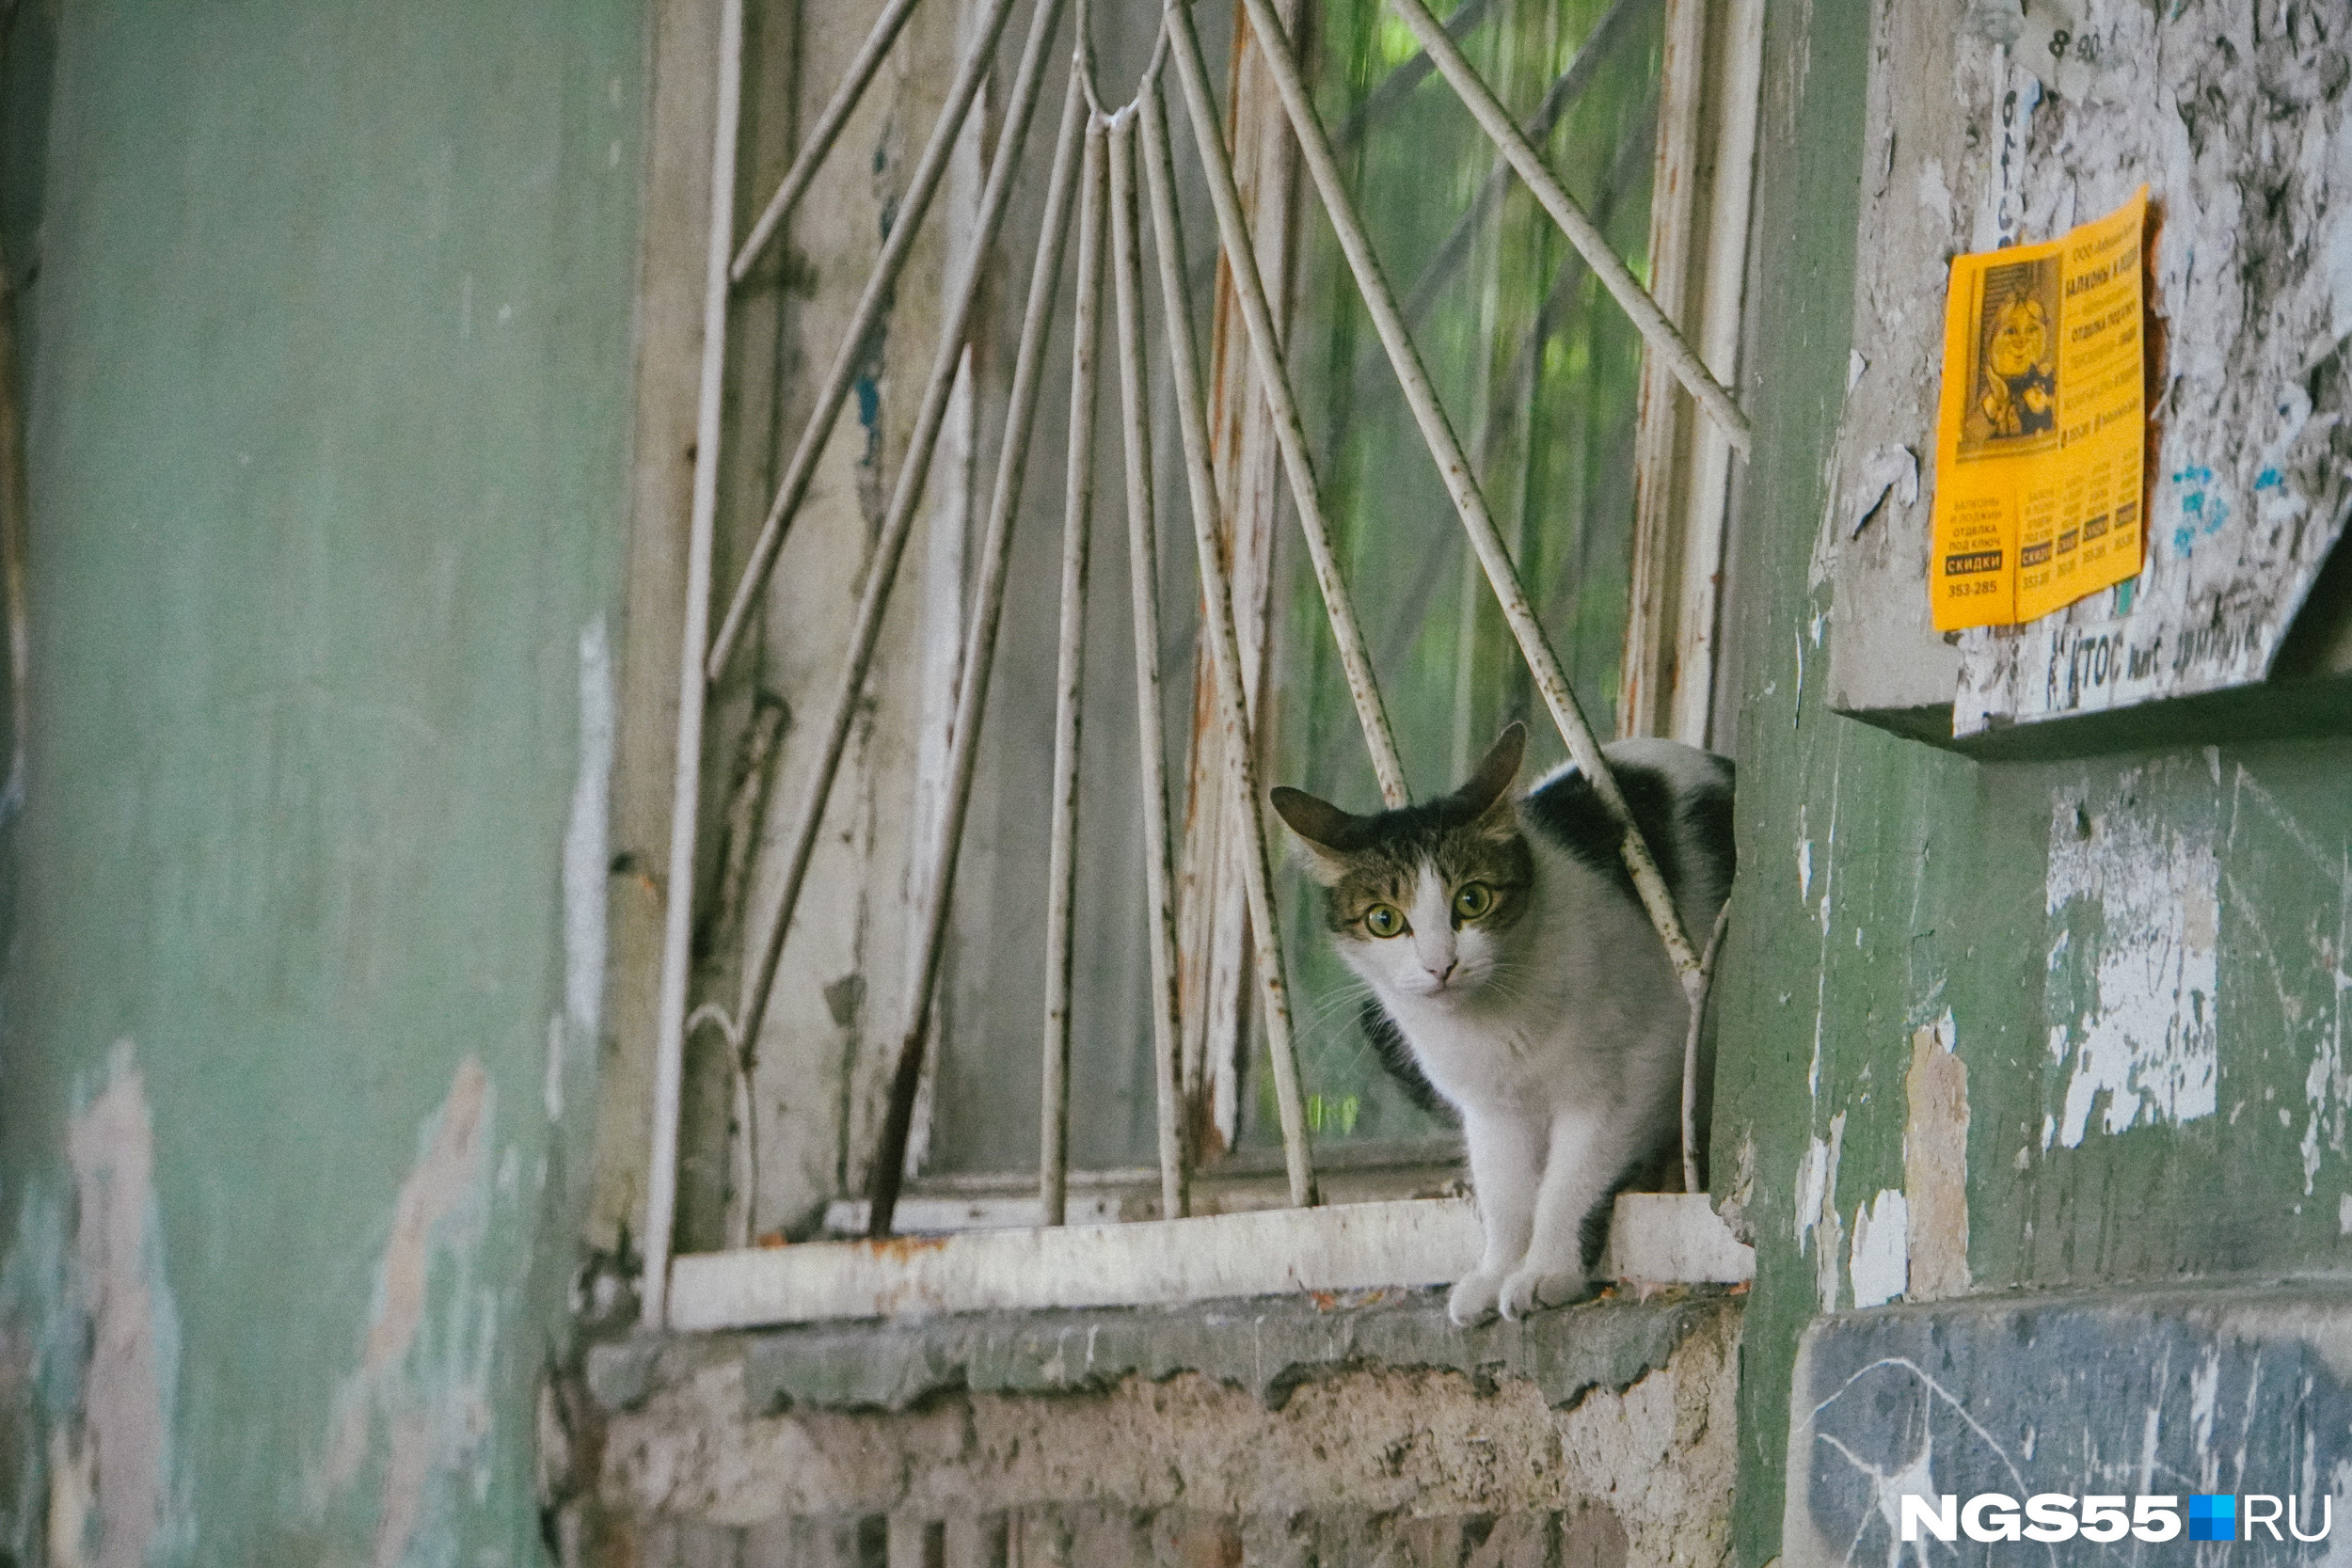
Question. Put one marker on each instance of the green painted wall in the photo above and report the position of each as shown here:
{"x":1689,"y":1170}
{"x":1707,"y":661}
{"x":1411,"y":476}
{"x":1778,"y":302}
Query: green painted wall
{"x":327,"y":420}
{"x":1885,"y":884}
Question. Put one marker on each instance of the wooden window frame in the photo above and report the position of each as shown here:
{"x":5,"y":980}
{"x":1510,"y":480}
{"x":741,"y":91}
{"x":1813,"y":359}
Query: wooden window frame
{"x":1698,"y":246}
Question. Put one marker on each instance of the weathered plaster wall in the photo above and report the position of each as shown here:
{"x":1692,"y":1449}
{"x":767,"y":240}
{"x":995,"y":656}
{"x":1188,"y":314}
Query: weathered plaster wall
{"x":1267,"y":1432}
{"x":2234,"y":120}
{"x":327,"y":388}
{"x":2002,"y":1024}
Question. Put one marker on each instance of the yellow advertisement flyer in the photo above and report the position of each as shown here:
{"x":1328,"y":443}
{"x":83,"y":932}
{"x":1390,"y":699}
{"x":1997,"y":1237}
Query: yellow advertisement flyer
{"x":2043,"y":416}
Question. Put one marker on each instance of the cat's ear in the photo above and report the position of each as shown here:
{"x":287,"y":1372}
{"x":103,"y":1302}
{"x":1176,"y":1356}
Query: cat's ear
{"x":1322,"y":828}
{"x":1487,"y":794}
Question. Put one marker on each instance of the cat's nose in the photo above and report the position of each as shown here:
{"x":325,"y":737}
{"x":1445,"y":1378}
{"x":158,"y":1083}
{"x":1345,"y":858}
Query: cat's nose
{"x":1442,"y":975}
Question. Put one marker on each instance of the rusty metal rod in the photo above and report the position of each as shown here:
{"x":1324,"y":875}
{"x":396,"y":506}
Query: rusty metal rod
{"x":980,"y":650}
{"x":1069,"y":677}
{"x":669,"y":1056}
{"x":1691,"y":1052}
{"x":820,"y":139}
{"x":1225,"y":650}
{"x":1274,"y":381}
{"x":1143,"y":584}
{"x":899,"y":521}
{"x":928,"y":170}
{"x":1661,"y":336}
{"x":1445,"y":448}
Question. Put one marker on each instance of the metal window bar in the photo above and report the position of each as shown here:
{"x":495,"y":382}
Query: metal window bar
{"x":1216,"y":591}
{"x":1068,"y":678}
{"x":890,"y":1156}
{"x":1398,"y":85}
{"x":1109,"y":139}
{"x":898,"y":524}
{"x":1445,"y":448}
{"x":1265,"y":351}
{"x":1143,"y":584}
{"x":1496,"y":421}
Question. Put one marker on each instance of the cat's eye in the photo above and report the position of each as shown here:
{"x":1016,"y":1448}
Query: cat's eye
{"x":1383,"y":920}
{"x":1473,"y":900}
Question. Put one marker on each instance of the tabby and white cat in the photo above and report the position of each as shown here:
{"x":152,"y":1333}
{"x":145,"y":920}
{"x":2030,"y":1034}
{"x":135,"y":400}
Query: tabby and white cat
{"x":1515,"y":976}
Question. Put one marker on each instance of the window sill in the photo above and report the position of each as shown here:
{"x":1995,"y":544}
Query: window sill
{"x":1655,"y":1237}
{"x":1267,"y":1346}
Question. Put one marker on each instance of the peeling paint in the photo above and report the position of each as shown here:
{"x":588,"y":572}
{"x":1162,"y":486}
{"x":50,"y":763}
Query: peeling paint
{"x":2015,"y":125}
{"x":112,"y":1476}
{"x":42,"y":1343}
{"x":2132,"y":987}
{"x":1880,"y":1268}
{"x":73,"y":1500}
{"x":423,"y":1380}
{"x":2308,"y":979}
{"x":587,"y":854}
{"x":1935,"y":1164}
{"x":1817,"y":1224}
{"x":1890,"y":473}
{"x":2335,"y":248}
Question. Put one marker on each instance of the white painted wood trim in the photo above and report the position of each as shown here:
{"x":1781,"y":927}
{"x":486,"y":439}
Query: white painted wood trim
{"x":1645,"y":674}
{"x":1673,"y":1238}
{"x":669,"y":1070}
{"x":1699,"y":219}
{"x":1657,"y":1238}
{"x":1734,"y":86}
{"x":1272,"y":1252}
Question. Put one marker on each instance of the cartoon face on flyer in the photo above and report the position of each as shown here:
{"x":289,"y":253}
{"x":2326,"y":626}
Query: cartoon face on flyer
{"x":2041,"y":424}
{"x":2014,"y":370}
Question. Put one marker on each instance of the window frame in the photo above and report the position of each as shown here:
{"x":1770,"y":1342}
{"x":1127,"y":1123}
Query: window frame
{"x":1685,"y":486}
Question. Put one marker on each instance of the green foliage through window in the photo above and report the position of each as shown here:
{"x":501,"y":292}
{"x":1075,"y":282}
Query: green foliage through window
{"x":1538,"y":370}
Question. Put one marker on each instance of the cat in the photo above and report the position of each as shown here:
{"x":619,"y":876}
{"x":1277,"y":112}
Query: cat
{"x":1515,"y":978}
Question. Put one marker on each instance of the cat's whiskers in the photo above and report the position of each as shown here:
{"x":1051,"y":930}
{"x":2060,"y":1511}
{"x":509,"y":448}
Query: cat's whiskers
{"x":1349,"y":998}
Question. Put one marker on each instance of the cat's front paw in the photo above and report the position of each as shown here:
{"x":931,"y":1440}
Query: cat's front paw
{"x":1473,"y":1301}
{"x":1531,"y":1290}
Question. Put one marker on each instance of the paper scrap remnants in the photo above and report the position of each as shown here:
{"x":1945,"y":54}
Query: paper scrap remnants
{"x":1888,"y":470}
{"x":2043,"y":422}
{"x":2001,"y":22}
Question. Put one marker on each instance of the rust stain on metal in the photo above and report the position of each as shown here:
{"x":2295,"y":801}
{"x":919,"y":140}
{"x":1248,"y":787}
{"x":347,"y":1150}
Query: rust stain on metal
{"x":899,"y":1248}
{"x":1935,"y":1165}
{"x":1215,"y":959}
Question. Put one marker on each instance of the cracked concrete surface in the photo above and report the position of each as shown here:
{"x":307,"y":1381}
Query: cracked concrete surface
{"x":1654,"y":1456}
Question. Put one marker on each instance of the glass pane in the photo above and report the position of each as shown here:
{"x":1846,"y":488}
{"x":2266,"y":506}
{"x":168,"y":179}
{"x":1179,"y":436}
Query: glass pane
{"x":1538,"y":370}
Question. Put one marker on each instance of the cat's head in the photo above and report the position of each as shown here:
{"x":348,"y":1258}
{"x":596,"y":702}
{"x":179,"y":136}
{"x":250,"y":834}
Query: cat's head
{"x":1419,"y":900}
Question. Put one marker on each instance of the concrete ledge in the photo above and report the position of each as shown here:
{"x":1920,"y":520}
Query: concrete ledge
{"x":1265,"y":1345}
{"x":2228,"y":1387}
{"x":1289,"y":1432}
